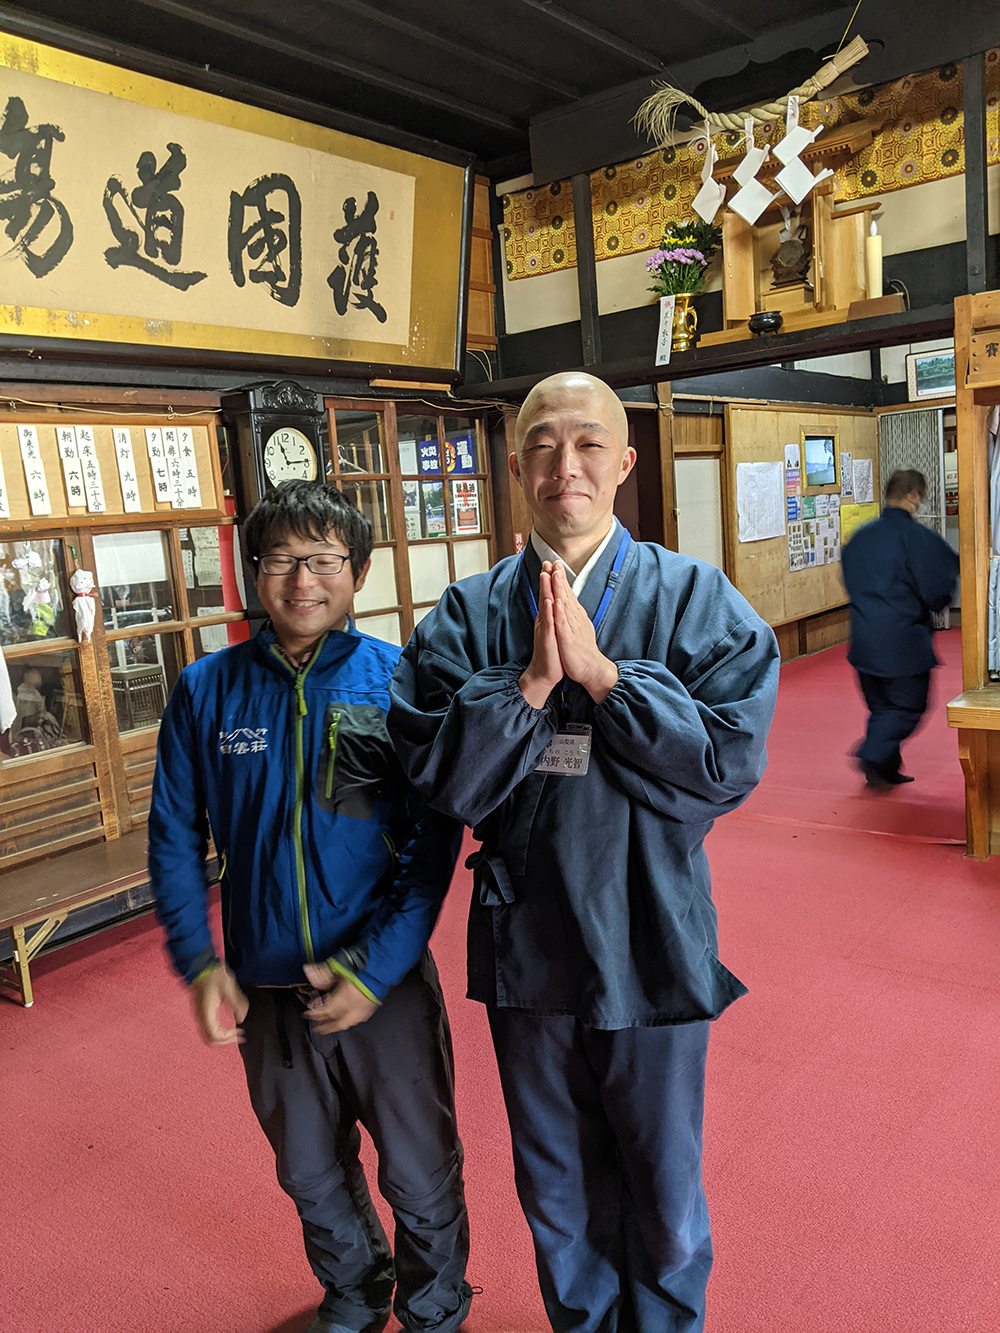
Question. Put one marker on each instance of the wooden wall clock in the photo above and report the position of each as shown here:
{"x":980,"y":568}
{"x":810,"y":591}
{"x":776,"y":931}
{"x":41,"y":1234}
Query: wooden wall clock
{"x":277,"y":432}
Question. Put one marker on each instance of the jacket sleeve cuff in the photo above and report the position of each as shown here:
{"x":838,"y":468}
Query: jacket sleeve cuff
{"x":342,"y":970}
{"x":207,"y":961}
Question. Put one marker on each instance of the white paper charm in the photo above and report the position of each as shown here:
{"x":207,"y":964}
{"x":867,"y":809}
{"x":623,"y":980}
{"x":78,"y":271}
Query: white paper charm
{"x":34,"y":470}
{"x":753,"y":160}
{"x":752,"y":198}
{"x":710,"y":197}
{"x":751,"y":201}
{"x":795,"y":178}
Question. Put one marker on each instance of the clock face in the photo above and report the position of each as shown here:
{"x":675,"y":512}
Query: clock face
{"x":289,"y":456}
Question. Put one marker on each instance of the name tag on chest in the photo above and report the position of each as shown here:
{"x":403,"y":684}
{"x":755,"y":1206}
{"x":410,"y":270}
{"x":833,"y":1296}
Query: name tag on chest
{"x":568,"y":754}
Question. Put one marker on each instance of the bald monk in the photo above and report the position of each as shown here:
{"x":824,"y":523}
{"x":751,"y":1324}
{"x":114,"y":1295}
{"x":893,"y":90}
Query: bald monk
{"x":590,"y":708}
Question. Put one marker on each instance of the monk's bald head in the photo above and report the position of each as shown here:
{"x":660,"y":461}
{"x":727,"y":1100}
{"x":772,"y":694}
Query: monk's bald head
{"x":571,"y":390}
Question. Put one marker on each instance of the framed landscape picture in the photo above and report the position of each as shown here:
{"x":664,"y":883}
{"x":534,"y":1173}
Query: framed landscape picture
{"x":819,"y":458}
{"x":930,"y":374}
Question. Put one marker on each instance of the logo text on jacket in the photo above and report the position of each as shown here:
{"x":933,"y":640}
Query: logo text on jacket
{"x":244,"y":740}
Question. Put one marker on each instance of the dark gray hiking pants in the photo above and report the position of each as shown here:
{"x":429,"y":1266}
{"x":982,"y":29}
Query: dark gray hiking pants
{"x":394,"y":1074}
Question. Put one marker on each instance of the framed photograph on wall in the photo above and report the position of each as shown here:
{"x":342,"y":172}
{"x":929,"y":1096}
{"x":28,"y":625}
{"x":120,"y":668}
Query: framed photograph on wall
{"x":819,"y":461}
{"x":930,"y":374}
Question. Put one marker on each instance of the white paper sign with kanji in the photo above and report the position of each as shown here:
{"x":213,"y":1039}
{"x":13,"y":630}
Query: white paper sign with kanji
{"x":92,"y":481}
{"x":125,"y":459}
{"x":189,"y":467}
{"x":34,"y":470}
{"x":158,"y":463}
{"x":76,"y":496}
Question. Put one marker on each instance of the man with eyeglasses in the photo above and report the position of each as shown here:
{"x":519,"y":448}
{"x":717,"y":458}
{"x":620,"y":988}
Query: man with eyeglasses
{"x":332,"y":873}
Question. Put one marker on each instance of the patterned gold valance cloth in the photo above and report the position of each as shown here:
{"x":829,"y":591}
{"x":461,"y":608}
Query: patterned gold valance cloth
{"x":922,"y":140}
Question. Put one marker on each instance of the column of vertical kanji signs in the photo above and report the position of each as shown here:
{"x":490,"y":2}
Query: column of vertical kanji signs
{"x":76,"y":496}
{"x":158,"y":463}
{"x":189,"y":467}
{"x":93,"y":482}
{"x":34,"y":470}
{"x":125,"y":459}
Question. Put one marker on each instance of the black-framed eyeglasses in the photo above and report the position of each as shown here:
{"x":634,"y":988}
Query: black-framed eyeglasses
{"x":289,"y":564}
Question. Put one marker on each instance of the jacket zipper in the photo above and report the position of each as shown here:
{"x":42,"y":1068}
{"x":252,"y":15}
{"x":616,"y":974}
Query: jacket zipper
{"x":301,"y":711}
{"x":332,"y":741}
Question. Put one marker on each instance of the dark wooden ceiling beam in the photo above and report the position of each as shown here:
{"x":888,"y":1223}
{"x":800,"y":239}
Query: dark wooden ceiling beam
{"x":599,"y":37}
{"x":711,"y":15}
{"x":444,"y":42}
{"x":826,"y":340}
{"x":94,"y":45}
{"x":364,"y":73}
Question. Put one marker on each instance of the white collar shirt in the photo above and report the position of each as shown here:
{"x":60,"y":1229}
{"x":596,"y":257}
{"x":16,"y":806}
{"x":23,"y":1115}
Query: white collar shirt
{"x":576,"y":581}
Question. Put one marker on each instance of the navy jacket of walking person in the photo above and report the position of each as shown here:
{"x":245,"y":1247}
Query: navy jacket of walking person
{"x":897,"y":573}
{"x":590,"y":709}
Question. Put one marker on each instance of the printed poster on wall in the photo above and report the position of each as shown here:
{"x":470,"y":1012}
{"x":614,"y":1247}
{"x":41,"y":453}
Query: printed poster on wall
{"x":140,"y":211}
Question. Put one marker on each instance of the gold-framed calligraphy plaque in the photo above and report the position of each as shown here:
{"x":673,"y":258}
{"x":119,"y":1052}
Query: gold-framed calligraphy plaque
{"x":137,"y":211}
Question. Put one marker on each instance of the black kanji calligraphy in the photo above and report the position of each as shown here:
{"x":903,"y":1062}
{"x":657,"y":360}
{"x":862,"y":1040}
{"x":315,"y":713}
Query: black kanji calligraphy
{"x":37,"y":223}
{"x":148,"y":224}
{"x":265,"y":225}
{"x":358,"y":255}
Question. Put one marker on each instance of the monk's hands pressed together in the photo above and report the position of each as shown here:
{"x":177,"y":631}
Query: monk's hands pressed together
{"x":545,"y":670}
{"x":215,"y":991}
{"x":576,"y":638}
{"x":565,"y":644}
{"x":342,"y":1005}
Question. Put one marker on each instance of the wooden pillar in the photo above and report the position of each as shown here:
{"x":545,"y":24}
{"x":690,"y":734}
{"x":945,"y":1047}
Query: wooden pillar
{"x":668,"y":483}
{"x":511,"y":514}
{"x":586,"y":270}
{"x":978,"y":245}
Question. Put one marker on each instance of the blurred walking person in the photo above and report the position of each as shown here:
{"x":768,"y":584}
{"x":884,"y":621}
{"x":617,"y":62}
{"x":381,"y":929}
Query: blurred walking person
{"x":897,"y":572}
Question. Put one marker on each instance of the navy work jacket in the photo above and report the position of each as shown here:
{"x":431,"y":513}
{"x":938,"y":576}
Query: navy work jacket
{"x":592,"y":893}
{"x":897,"y":572}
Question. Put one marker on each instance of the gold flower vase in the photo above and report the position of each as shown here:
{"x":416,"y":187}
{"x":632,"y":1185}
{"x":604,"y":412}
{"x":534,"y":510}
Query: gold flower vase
{"x":685,"y":328}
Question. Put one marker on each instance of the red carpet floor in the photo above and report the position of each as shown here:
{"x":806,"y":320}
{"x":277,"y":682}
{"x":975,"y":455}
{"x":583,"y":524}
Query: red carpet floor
{"x":852,"y":1136}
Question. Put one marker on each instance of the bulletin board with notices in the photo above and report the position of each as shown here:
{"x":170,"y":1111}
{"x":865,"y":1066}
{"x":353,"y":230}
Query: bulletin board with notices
{"x":85,"y":469}
{"x":803,"y":480}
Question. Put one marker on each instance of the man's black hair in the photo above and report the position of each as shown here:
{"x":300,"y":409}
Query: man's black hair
{"x":903,"y":481}
{"x":307,"y":509}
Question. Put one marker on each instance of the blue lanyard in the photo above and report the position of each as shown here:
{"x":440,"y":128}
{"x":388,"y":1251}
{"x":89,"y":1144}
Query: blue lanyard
{"x":609,"y":589}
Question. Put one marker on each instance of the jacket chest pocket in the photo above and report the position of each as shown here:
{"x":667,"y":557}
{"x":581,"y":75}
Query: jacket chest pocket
{"x":356,"y":760}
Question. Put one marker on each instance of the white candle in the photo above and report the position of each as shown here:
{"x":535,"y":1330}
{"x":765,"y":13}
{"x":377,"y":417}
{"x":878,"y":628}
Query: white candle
{"x":873,"y":263}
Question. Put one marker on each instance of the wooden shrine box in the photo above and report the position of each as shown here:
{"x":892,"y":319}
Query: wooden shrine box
{"x":976,"y":712}
{"x":835,"y":286}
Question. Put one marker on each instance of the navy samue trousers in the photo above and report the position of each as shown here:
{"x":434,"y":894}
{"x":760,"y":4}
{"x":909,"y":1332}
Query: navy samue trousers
{"x":606,"y":1128}
{"x":896,"y":705}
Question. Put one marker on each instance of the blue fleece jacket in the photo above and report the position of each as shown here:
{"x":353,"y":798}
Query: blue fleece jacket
{"x":326,"y":849}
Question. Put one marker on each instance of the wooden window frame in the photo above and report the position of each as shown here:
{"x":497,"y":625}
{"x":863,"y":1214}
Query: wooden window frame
{"x":406,"y":607}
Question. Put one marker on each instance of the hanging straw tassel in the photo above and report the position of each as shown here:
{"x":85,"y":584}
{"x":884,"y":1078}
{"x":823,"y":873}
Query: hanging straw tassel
{"x":658,"y":114}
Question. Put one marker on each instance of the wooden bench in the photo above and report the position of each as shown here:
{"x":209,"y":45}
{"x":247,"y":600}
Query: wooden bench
{"x":975,"y":713}
{"x":43,"y":893}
